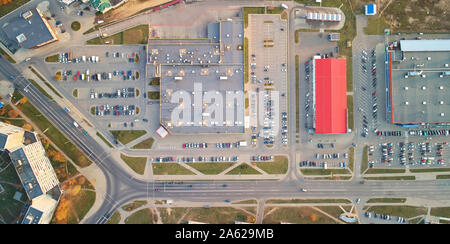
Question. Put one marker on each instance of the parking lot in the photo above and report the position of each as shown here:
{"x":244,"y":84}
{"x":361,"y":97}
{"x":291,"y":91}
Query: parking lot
{"x":106,"y":76}
{"x":408,"y":154}
{"x":329,"y":159}
{"x":268,"y":72}
{"x":310,"y":44}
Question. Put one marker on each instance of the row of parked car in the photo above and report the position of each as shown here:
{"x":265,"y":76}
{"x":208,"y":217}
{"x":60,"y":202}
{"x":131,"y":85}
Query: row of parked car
{"x":385,"y":217}
{"x":388,"y":133}
{"x":331,"y":155}
{"x":262,"y":158}
{"x":123,"y":93}
{"x":67,"y":58}
{"x":195,"y":145}
{"x":324,"y":165}
{"x":133,"y":58}
{"x":164,"y":159}
{"x":227,"y":145}
{"x":116,"y":110}
{"x":429,"y":132}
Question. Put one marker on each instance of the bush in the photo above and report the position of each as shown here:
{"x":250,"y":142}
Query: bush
{"x":75,"y":26}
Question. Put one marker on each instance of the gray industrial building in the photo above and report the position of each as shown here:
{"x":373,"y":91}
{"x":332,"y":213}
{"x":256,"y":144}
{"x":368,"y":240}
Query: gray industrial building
{"x":30,"y":30}
{"x":417,"y":78}
{"x":198,"y":73}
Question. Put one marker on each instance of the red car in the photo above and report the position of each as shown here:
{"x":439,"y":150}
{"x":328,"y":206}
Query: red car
{"x":75,"y":78}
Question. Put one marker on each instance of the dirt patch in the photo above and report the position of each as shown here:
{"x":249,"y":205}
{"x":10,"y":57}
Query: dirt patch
{"x":427,"y":16}
{"x":130,"y":8}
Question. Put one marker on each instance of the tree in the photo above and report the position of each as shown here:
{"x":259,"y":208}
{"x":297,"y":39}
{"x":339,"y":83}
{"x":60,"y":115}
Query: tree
{"x":27,"y":126}
{"x":23,"y":100}
{"x":59,"y":157}
{"x":13,"y":114}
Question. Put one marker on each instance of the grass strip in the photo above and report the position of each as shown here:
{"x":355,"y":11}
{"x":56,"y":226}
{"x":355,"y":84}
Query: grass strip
{"x":210,"y":168}
{"x":280,"y":201}
{"x":126,"y":136}
{"x":146,"y":144}
{"x":391,"y":178}
{"x":104,"y":140}
{"x":387,"y":200}
{"x":136,"y":163}
{"x":385,"y":171}
{"x":52,"y":132}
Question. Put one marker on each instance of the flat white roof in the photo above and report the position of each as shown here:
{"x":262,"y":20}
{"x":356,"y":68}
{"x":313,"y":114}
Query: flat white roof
{"x":162,"y":132}
{"x":425,"y":45}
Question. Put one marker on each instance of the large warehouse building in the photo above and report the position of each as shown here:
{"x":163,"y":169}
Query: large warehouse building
{"x":329,"y":78}
{"x":30,"y":30}
{"x":417,"y":76}
{"x":202,"y":80}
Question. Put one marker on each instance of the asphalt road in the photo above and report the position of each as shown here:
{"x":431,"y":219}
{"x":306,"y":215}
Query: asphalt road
{"x":121,"y":187}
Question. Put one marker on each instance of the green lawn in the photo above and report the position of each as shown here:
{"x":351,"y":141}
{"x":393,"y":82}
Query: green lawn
{"x":76,"y":26}
{"x":210,"y":168}
{"x":442,"y":177}
{"x":324,"y":171}
{"x":135,"y":35}
{"x":170,"y":169}
{"x":376,"y":26}
{"x":114,"y":219}
{"x":387,"y":200}
{"x":296,"y":215}
{"x":351,"y":158}
{"x":329,"y":178}
{"x":171,"y":215}
{"x":143,"y":216}
{"x":391,"y":178}
{"x":52,"y":132}
{"x":250,"y":201}
{"x":5,"y":55}
{"x":153,"y":95}
{"x":365,"y":159}
{"x":135,"y":163}
{"x":146,"y":144}
{"x":243,"y":169}
{"x":400,"y":211}
{"x":385,"y":171}
{"x":134,"y":205}
{"x":127,"y":136}
{"x":441,"y":212}
{"x":278,"y":201}
{"x":75,"y":93}
{"x":215,"y":215}
{"x":83,"y":203}
{"x":350,"y":111}
{"x":278,"y":166}
{"x":429,"y":170}
{"x":52,"y":59}
{"x":154,"y":81}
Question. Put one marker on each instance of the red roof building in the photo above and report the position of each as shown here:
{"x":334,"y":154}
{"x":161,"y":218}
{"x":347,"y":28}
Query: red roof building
{"x":330,"y":93}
